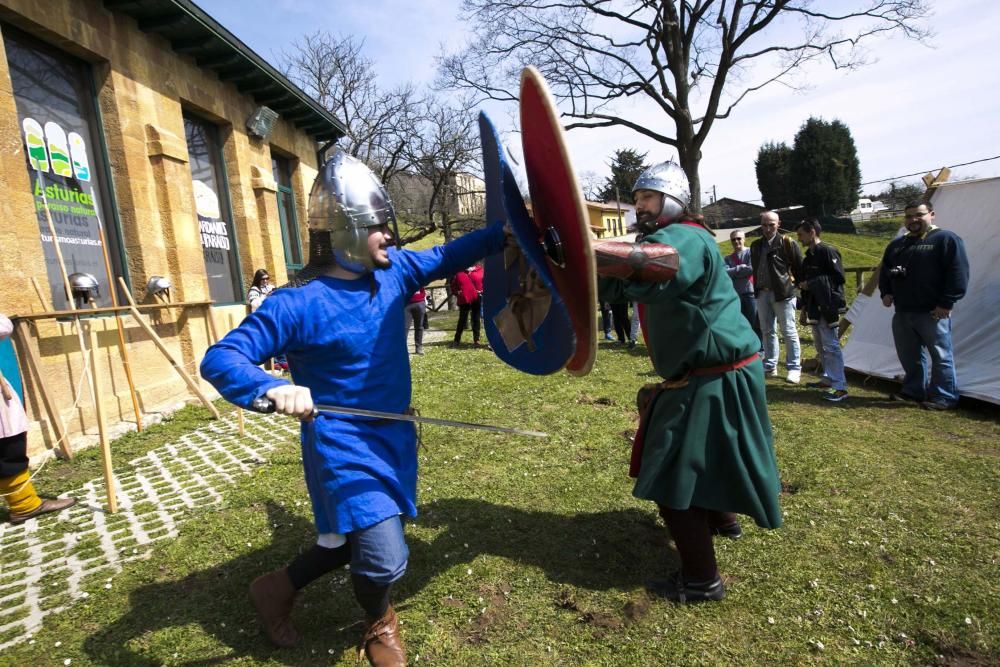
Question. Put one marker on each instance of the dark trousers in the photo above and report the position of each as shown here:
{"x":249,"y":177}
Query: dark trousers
{"x":463,"y":319}
{"x":748,"y":306}
{"x":416,"y":314}
{"x":606,"y":318}
{"x":691,"y":530}
{"x":619,"y":313}
{"x":13,"y":455}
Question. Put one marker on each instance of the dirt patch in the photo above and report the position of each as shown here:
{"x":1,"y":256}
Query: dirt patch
{"x":600,"y":622}
{"x":789,"y":489}
{"x":494,"y":611}
{"x":636,"y":610}
{"x":955,"y":656}
{"x":584,"y":399}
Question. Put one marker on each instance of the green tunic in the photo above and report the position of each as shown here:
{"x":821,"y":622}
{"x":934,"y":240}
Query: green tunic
{"x":708,"y":444}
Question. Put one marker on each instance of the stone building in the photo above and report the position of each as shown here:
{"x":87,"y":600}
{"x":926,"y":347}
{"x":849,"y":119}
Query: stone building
{"x":139,"y":128}
{"x":721,"y":213}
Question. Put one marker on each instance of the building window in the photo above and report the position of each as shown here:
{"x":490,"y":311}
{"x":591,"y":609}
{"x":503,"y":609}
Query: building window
{"x":218,"y":243}
{"x":54,"y":95}
{"x":282,"y":170}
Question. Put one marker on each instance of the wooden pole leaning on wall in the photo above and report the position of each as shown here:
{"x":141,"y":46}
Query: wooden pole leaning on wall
{"x":35,"y":370}
{"x":122,"y":347}
{"x":109,"y":475}
{"x":192,"y":385}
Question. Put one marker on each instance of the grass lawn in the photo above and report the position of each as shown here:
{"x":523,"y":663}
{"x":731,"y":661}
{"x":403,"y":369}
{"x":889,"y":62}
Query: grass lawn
{"x":533,"y":552}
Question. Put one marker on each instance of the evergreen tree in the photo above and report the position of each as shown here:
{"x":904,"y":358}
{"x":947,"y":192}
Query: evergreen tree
{"x":772,"y":174}
{"x":626,"y":165}
{"x":824,"y":172}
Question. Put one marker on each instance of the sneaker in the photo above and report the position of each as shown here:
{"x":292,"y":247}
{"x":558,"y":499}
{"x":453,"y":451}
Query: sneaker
{"x":936,"y":405}
{"x":818,"y":385}
{"x":677,"y":589}
{"x":608,"y":336}
{"x":631,"y":344}
{"x":835,"y":395}
{"x":900,"y":397}
{"x":771,"y":372}
{"x":793,"y":377}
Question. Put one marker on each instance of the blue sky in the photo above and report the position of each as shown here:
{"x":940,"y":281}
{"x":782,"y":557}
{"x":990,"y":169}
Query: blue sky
{"x":918,"y":107}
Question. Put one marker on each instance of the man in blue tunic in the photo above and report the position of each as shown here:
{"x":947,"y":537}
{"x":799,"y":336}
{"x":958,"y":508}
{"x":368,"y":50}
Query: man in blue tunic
{"x":341,"y":326}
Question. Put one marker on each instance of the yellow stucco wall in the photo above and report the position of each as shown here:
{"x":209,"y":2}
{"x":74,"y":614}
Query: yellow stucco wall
{"x":143,"y":88}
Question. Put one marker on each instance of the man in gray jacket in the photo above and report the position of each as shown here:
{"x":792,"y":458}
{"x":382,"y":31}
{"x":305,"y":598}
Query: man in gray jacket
{"x":776,"y":261}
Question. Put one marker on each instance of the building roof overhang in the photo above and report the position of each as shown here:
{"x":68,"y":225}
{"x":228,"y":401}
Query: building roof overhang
{"x":192,"y":32}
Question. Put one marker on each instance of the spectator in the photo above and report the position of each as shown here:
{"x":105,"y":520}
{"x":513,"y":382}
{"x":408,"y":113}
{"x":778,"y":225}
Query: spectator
{"x":776,"y":261}
{"x":606,"y":320}
{"x":619,"y":313}
{"x":823,"y":301}
{"x":259,"y":290}
{"x":924,"y":274}
{"x":467,"y":286}
{"x":15,"y":478}
{"x":416,"y":312}
{"x":741,"y":271}
{"x":635,"y":324}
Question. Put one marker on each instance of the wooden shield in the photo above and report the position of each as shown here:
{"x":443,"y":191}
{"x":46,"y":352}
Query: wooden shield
{"x":558,"y":205}
{"x":526,"y":321}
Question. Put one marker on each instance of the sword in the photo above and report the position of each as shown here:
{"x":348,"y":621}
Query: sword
{"x":266,"y":406}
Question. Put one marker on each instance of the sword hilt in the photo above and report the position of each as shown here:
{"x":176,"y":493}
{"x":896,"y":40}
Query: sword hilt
{"x":263,"y":404}
{"x":266,"y":406}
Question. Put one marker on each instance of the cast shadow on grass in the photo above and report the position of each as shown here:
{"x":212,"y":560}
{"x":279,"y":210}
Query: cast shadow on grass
{"x":595,"y":551}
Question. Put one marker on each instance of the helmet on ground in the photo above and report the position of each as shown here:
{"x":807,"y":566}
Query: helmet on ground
{"x":346,"y":199}
{"x":670,"y":180}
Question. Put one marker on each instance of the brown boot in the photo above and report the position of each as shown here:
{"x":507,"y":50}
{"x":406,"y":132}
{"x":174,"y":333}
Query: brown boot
{"x":381,"y":642}
{"x":273,"y":597}
{"x":48,"y":505}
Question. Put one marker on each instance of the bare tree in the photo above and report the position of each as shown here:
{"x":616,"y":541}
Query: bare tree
{"x":336,"y":73}
{"x":590,"y":184}
{"x":445,"y":153}
{"x":694,"y":60}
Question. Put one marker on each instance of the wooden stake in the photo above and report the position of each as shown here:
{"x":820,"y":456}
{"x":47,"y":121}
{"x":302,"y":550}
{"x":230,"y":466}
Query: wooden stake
{"x":126,"y":364}
{"x":239,"y":411}
{"x":192,"y":385}
{"x":109,"y":475}
{"x":34,"y":368}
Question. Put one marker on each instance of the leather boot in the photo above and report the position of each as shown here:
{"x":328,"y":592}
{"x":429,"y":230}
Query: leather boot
{"x":273,"y":597}
{"x":46,"y":506}
{"x":381,"y":642}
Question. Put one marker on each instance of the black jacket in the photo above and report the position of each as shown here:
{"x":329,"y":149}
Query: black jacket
{"x":822,"y":282}
{"x":930,"y":271}
{"x":785,"y":263}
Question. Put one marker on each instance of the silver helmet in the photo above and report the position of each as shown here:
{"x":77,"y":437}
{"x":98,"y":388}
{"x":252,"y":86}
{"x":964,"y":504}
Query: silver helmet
{"x":346,"y":199}
{"x":669,"y":179}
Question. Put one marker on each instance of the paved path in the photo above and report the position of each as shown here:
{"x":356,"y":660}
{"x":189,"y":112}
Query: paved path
{"x":47,"y":564}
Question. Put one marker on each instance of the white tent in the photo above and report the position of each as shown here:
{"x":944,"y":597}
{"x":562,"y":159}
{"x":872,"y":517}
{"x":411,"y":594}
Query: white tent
{"x":971,"y":209}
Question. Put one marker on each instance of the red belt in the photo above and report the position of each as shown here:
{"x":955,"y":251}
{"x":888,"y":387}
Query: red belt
{"x":653,"y":393}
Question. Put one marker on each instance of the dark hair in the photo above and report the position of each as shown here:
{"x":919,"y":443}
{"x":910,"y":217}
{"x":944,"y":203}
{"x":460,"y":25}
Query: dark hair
{"x":258,"y":277}
{"x":917,"y":203}
{"x":810,"y":225}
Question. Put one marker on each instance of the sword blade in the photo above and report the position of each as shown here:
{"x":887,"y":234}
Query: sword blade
{"x":395,"y":416}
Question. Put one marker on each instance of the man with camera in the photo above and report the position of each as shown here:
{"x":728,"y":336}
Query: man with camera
{"x":924,"y":273}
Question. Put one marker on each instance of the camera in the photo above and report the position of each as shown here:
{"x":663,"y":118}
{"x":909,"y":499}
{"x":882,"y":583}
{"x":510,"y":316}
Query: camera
{"x":897,"y":271}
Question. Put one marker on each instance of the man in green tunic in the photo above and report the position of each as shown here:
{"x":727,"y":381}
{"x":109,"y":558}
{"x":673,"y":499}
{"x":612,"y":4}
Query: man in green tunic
{"x":704,"y":449}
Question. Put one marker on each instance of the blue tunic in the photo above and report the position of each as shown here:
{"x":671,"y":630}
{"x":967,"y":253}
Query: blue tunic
{"x":346,"y":341}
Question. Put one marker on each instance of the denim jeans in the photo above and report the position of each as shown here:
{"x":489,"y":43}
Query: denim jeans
{"x":913,"y":333}
{"x":379,"y":552}
{"x":828,"y":346}
{"x":634,"y":330}
{"x":772,"y":315}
